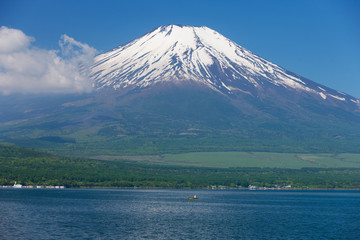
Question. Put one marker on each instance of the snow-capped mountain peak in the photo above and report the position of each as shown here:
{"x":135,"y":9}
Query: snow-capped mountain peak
{"x":185,"y":53}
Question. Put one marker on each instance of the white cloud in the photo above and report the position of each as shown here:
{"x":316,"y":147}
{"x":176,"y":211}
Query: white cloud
{"x":79,"y":53}
{"x":27,"y":69}
{"x":12,"y":40}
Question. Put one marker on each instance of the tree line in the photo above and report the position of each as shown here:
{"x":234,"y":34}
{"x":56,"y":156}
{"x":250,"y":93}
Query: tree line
{"x":32,"y":167}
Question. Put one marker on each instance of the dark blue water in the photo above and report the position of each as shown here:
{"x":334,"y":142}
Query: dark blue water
{"x":168,"y":214}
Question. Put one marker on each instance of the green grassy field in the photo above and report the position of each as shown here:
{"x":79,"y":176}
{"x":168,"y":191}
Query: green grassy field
{"x":249,"y":159}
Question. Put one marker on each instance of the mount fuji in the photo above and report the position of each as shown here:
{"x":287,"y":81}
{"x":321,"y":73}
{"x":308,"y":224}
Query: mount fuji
{"x":184,"y":54}
{"x":183,"y":89}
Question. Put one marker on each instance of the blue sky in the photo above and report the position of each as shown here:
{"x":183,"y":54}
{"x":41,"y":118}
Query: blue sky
{"x":317,"y":39}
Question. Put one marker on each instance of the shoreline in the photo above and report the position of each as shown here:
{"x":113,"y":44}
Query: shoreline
{"x":182,"y":188}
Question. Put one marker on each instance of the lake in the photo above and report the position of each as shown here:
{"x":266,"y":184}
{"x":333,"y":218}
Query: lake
{"x":168,"y":214}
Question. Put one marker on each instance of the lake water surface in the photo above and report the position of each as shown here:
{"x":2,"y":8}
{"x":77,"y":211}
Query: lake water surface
{"x":168,"y":214}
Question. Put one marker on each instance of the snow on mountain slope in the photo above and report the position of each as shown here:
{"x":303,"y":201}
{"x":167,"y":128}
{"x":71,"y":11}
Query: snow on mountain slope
{"x":178,"y":54}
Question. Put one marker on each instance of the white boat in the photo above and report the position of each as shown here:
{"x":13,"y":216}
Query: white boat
{"x":17,"y":185}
